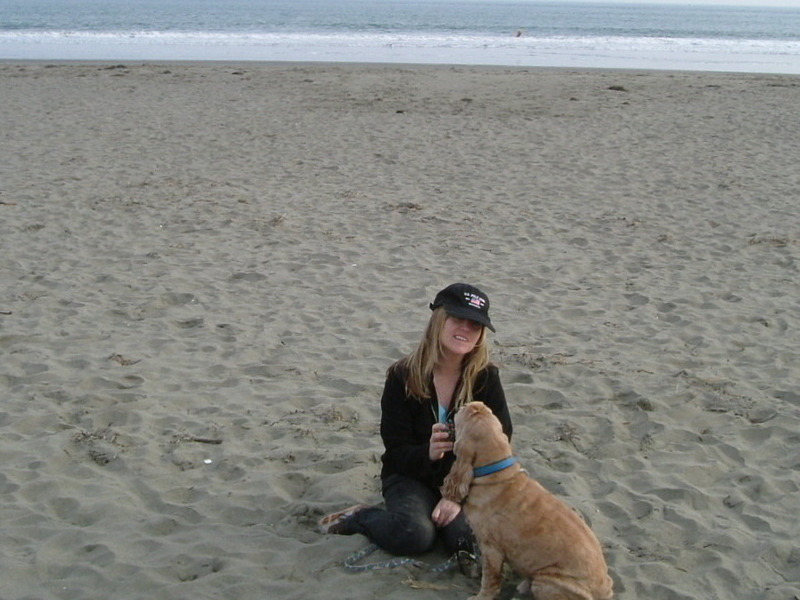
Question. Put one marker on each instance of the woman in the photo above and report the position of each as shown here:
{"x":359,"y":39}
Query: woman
{"x":449,"y":368}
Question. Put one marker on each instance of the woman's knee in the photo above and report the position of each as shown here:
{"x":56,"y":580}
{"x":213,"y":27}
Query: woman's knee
{"x":411,"y":537}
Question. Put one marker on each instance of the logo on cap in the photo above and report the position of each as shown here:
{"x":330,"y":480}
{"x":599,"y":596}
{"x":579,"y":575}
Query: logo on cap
{"x":474,"y":300}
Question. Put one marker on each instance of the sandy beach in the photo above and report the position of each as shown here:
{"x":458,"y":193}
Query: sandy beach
{"x":207,"y":268}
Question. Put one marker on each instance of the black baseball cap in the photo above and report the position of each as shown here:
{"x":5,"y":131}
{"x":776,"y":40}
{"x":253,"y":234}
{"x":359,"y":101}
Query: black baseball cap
{"x":466,"y":302}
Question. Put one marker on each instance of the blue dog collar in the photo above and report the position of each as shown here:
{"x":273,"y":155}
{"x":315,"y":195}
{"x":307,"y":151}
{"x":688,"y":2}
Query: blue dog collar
{"x":494,"y":467}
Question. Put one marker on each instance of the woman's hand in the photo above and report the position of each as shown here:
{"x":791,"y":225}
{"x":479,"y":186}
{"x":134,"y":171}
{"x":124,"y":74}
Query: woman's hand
{"x":440,"y":442}
{"x":445,"y":512}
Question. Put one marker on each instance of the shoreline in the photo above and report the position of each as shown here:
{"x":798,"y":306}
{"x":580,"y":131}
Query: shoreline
{"x":715,"y":62}
{"x":278,"y":64}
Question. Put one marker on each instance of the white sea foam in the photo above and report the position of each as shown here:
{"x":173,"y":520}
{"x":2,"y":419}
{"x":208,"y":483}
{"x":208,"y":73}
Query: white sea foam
{"x":771,"y":56}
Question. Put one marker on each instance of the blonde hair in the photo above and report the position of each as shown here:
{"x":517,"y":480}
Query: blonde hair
{"x":420,"y":363}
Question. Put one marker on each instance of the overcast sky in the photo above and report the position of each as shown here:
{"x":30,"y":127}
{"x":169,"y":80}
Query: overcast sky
{"x":789,"y":3}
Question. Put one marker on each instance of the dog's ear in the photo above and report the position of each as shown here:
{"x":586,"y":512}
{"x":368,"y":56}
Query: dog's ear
{"x":456,"y":484}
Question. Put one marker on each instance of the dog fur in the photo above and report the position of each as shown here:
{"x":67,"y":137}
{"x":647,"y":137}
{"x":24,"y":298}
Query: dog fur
{"x":517,"y":521}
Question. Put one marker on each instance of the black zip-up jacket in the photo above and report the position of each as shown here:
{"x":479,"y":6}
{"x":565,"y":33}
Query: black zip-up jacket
{"x":406,"y":424}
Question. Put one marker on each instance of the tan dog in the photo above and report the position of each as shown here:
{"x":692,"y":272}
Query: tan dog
{"x":516,"y":520}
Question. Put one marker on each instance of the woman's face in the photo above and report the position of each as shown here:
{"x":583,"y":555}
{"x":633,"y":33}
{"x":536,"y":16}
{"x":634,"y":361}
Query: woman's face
{"x":459,"y":336}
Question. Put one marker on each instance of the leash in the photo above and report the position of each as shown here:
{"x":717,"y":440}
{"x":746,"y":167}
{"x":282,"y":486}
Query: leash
{"x":351,"y":561}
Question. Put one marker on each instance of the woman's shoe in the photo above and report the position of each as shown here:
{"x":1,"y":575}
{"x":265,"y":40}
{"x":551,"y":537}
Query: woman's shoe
{"x":335,"y":522}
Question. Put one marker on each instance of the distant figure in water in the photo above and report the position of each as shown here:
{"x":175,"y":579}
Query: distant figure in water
{"x":519,"y":33}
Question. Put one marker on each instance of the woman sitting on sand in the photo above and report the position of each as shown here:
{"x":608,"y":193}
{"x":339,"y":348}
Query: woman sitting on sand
{"x":449,"y":368}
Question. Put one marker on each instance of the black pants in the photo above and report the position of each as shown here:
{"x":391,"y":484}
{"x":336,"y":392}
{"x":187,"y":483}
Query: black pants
{"x":405,"y":527}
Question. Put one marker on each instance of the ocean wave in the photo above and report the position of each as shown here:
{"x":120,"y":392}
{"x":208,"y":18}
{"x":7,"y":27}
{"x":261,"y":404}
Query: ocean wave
{"x":368,"y":40}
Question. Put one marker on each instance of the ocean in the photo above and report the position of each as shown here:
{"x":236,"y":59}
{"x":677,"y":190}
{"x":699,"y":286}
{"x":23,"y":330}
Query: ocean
{"x":479,"y":32}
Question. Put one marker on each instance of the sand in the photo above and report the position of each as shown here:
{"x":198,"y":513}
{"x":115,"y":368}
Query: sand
{"x":206,"y":269}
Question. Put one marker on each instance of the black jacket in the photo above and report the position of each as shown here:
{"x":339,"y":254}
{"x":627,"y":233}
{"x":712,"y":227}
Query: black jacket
{"x":406,"y":424}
